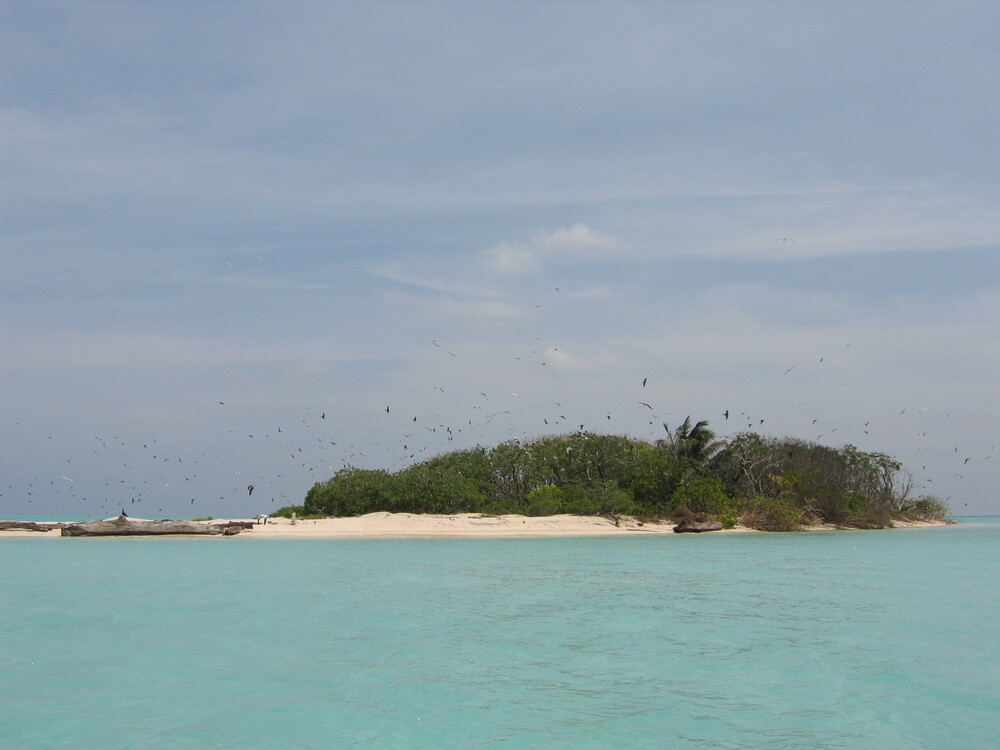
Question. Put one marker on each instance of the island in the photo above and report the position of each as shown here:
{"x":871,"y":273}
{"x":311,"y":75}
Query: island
{"x":690,"y":478}
{"x":584,"y":484}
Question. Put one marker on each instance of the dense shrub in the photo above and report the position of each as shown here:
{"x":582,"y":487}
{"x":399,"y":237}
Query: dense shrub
{"x":433,"y":489}
{"x":546,"y":500}
{"x":286,"y":512}
{"x":351,"y":492}
{"x":703,"y":495}
{"x":926,"y":508}
{"x":600,"y":499}
{"x":772,"y":514}
{"x":777,"y":484}
{"x":729,"y":518}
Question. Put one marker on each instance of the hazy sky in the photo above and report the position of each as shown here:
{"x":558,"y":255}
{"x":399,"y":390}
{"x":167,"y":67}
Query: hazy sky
{"x":495,"y":220}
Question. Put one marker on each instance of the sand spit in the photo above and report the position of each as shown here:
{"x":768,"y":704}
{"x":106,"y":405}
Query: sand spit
{"x":401,"y":525}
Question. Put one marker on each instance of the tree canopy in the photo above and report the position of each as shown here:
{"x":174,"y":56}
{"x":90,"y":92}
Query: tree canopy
{"x":763,"y":482}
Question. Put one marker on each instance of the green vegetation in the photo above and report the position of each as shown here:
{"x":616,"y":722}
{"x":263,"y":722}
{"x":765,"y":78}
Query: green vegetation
{"x":301,"y":513}
{"x":287,"y":511}
{"x":777,"y":484}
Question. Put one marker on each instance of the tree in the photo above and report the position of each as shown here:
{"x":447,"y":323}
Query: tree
{"x":434,"y":488}
{"x":509,"y":475}
{"x":351,"y":492}
{"x":747,"y":465}
{"x":703,"y":495}
{"x":544,"y":501}
{"x":695,"y":444}
{"x":769,"y":482}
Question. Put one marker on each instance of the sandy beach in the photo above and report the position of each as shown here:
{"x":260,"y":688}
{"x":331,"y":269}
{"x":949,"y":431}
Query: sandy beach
{"x":402,"y":525}
{"x":456,"y":525}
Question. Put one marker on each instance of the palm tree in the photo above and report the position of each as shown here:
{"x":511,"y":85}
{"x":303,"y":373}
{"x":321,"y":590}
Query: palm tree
{"x":697,"y":444}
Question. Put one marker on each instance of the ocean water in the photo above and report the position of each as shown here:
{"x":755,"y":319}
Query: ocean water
{"x":869,"y":639}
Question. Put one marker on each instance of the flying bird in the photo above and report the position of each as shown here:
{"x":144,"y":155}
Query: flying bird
{"x":643,"y":403}
{"x":644,"y":382}
{"x":250,"y":489}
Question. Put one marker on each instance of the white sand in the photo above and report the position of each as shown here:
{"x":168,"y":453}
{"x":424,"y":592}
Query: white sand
{"x":389,"y":525}
{"x":456,"y":525}
{"x":477,"y":525}
{"x":425,"y":525}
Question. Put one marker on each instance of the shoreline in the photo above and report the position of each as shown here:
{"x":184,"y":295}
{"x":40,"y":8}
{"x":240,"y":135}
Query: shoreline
{"x":384,"y":525}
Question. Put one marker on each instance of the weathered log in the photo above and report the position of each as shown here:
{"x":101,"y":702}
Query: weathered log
{"x":28,"y":526}
{"x":124,"y":526}
{"x":697,"y":527}
{"x":236,"y":525}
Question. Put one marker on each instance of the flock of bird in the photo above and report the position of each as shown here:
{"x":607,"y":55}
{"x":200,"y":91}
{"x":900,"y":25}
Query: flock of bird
{"x":280,"y":460}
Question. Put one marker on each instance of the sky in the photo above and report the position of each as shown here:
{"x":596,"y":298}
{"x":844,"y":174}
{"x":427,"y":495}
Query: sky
{"x":254,"y":243}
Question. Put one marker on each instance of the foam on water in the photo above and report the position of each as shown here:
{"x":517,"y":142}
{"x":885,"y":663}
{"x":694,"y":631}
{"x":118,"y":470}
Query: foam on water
{"x":825,"y":640}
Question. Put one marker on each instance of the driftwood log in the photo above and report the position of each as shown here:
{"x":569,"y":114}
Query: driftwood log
{"x":236,"y":524}
{"x":124,"y":526}
{"x":28,"y":526}
{"x":696,"y":527}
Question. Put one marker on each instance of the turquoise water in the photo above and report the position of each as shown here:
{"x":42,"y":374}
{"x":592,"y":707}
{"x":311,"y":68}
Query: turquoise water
{"x":886,"y":639}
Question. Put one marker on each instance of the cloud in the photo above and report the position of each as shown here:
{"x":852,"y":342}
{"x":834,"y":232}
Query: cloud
{"x":396,"y":273}
{"x":823,"y":223}
{"x":97,"y":350}
{"x":601,"y":293}
{"x":477,"y":310}
{"x":591,"y":360}
{"x":577,"y":241}
{"x":512,"y":258}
